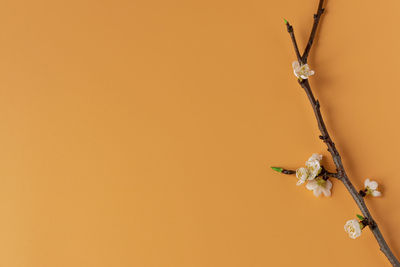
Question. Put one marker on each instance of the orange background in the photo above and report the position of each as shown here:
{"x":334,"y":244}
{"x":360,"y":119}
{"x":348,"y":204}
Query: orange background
{"x":140,"y":133}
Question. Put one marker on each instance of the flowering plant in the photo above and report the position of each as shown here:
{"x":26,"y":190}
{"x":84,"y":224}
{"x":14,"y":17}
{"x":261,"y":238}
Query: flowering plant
{"x":316,"y":176}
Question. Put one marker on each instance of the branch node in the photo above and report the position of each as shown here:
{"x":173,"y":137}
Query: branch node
{"x":366,"y":222}
{"x":323,"y":137}
{"x":372,"y":224}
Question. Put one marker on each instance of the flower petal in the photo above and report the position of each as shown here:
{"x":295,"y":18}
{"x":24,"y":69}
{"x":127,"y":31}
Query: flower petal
{"x":328,"y":185}
{"x":311,"y":185}
{"x":296,"y":65}
{"x":373,"y":185}
{"x":366,"y":183}
{"x":326,"y":191}
{"x":302,"y":174}
{"x":316,"y":156}
{"x":317,"y":191}
{"x":376,"y":193}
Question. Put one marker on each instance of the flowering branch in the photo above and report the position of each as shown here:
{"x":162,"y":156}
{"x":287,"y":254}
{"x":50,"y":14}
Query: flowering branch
{"x":353,"y":227}
{"x":324,"y":173}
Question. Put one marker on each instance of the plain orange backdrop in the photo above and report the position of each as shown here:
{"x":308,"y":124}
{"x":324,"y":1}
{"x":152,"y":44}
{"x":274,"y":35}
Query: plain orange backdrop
{"x":140,"y":132}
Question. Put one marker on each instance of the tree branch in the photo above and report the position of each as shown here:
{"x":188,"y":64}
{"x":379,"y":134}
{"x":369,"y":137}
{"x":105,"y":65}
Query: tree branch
{"x":325,"y":137}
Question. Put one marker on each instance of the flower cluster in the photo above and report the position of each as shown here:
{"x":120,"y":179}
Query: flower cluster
{"x":310,"y":173}
{"x":312,"y":169}
{"x":317,"y":180}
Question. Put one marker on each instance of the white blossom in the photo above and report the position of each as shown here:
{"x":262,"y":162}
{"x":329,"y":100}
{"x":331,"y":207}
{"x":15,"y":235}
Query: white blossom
{"x":312,"y":169}
{"x":319,"y":186}
{"x":302,"y":174}
{"x":302,"y":71}
{"x":353,"y":228}
{"x":314,"y":166}
{"x":371,"y":188}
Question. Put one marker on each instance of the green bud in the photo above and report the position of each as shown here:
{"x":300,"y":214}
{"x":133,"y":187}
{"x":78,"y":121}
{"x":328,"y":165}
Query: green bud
{"x":360,"y":217}
{"x":278,"y":169}
{"x":286,"y":22}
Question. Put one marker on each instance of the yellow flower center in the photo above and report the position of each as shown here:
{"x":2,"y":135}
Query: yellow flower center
{"x":320,"y":181}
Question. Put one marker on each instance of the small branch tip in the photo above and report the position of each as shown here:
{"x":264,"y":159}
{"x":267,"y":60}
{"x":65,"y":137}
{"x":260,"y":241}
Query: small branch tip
{"x":277,"y":169}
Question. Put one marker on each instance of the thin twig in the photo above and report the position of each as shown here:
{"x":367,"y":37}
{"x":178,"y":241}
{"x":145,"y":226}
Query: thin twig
{"x":317,"y":17}
{"x":323,"y":173}
{"x":293,"y":37}
{"x":341,"y":173}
